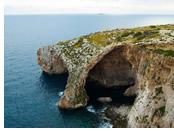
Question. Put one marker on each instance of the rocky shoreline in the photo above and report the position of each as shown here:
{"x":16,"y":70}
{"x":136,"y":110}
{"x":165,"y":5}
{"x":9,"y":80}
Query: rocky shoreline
{"x":111,"y":115}
{"x":141,"y":58}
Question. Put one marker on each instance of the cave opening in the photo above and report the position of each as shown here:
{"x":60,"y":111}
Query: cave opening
{"x":110,"y":78}
{"x":95,"y":92}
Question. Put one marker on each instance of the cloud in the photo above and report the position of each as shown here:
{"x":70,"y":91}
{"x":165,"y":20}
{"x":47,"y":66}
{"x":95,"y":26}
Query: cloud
{"x":89,"y":6}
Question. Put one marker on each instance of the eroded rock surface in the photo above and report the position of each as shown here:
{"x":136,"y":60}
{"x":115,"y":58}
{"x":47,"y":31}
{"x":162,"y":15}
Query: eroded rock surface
{"x":141,"y":57}
{"x":114,"y":70}
{"x":49,"y":61}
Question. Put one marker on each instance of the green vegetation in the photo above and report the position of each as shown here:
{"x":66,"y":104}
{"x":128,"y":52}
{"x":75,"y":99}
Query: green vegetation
{"x":158,"y":112}
{"x":79,"y":43}
{"x":158,"y":51}
{"x":125,"y":34}
{"x":146,"y":34}
{"x":159,"y":90}
{"x":138,"y":34}
{"x":63,"y":42}
{"x":134,"y":35}
{"x":142,"y":88}
{"x":141,"y":119}
{"x":81,"y":98}
{"x":153,"y":26}
{"x":154,"y":34}
{"x":129,"y":36}
{"x":102,"y":39}
{"x":164,"y":52}
{"x":38,"y":52}
{"x":169,"y":34}
{"x":119,"y":39}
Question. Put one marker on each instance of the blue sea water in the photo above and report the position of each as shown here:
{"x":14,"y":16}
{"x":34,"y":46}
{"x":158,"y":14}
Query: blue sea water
{"x":30,"y":96}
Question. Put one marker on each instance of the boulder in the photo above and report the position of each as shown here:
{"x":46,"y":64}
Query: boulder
{"x":104,"y":99}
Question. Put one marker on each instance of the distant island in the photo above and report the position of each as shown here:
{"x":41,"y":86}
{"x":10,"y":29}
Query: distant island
{"x":141,"y":59}
{"x":101,"y":13}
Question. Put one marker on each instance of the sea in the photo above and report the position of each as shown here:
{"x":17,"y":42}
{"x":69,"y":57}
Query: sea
{"x":31,"y":96}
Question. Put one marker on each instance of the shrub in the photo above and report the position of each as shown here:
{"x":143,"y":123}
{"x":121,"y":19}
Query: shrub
{"x":137,"y":34}
{"x":127,"y":34}
{"x":164,"y":52}
{"x":146,"y":32}
{"x":153,"y":26}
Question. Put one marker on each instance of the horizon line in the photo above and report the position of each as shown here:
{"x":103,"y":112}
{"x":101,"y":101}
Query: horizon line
{"x":81,"y":14}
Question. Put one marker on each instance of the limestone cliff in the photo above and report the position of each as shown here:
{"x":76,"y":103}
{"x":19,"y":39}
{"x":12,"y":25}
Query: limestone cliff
{"x":142,"y":57}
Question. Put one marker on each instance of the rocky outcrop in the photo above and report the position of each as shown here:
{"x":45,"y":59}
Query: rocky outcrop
{"x":118,"y":115}
{"x":142,"y":58}
{"x":49,"y":61}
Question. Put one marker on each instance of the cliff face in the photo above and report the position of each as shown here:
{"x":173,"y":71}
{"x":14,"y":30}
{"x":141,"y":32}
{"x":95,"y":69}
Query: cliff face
{"x":154,"y":105}
{"x":50,"y":62}
{"x":142,"y":57}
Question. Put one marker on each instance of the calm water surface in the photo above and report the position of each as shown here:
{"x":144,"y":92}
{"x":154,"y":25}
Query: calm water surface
{"x":30,"y":96}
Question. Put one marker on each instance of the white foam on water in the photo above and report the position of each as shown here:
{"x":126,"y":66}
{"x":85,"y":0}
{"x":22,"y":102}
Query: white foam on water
{"x":60,"y":93}
{"x":90,"y":108}
{"x":105,"y":125}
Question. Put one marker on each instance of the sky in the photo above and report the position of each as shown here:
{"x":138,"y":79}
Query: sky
{"x":88,"y":6}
